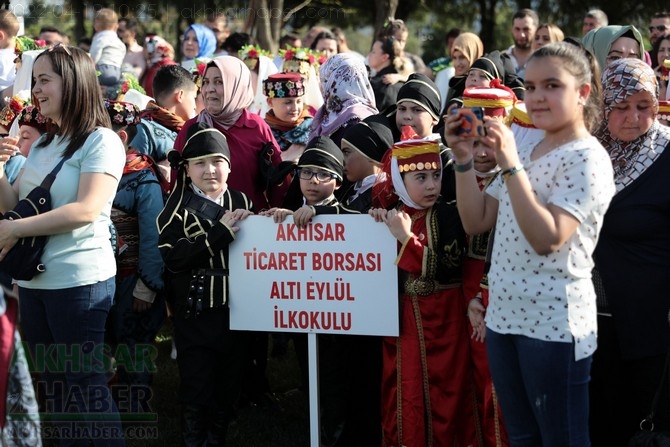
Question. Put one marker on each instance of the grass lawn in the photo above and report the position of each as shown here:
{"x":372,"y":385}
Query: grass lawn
{"x":283,"y":425}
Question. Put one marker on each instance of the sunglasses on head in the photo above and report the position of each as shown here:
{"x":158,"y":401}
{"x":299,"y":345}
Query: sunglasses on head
{"x":61,"y":45}
{"x":660,"y":28}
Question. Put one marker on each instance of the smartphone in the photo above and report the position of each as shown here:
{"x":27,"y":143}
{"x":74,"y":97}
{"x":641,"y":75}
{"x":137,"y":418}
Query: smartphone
{"x":472,"y":121}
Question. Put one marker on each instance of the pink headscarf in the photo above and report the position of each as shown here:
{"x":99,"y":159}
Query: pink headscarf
{"x":238,"y":93}
{"x":347,"y":94}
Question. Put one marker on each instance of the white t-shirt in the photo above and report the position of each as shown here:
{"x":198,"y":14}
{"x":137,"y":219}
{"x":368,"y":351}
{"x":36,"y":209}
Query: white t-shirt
{"x":551,"y":297}
{"x":82,"y":256}
{"x":7,"y":68}
{"x":107,"y":49}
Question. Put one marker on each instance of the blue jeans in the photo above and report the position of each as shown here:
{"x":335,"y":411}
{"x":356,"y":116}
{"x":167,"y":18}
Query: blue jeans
{"x":543,"y":391}
{"x":65,"y":331}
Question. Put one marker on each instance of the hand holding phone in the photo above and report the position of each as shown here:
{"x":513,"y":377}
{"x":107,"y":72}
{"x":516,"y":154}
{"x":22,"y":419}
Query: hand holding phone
{"x":472,"y":121}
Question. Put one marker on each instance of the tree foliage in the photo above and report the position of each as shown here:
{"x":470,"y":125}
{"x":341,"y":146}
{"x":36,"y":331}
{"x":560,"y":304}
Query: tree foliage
{"x":267,"y":20}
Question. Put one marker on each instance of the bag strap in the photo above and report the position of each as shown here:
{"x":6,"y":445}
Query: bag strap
{"x":49,"y":179}
{"x":202,"y":207}
{"x":647,"y":423}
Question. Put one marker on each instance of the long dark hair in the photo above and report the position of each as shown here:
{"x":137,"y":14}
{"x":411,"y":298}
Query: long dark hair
{"x":82,"y":108}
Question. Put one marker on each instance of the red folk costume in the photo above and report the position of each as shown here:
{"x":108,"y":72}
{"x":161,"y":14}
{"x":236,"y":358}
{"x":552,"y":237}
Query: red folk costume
{"x":495,"y":102}
{"x":427,"y":394}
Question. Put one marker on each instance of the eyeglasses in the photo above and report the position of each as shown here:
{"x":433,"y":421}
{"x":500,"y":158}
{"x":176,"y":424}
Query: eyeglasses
{"x":321,"y":176}
{"x":60,"y":45}
{"x":615,"y":57}
{"x":660,"y":28}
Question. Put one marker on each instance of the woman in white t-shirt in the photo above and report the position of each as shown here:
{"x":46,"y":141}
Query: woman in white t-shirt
{"x":64,"y":308}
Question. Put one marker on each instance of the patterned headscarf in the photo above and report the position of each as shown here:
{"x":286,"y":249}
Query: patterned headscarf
{"x":622,"y":79}
{"x":238,"y":93}
{"x":347,"y":93}
{"x":206,"y":40}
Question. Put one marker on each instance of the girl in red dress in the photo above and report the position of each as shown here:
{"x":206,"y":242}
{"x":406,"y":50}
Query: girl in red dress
{"x":427,"y":393}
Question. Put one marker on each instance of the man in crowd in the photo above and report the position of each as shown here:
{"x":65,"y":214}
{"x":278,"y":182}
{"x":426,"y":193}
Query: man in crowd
{"x":524,"y":25}
{"x":593,"y":19}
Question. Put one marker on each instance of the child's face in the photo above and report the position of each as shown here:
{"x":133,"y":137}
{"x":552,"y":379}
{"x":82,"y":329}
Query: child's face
{"x":477,"y":78}
{"x":484,"y":157}
{"x":187,"y":107}
{"x":411,"y":114}
{"x":287,"y":109}
{"x":190,"y":46}
{"x":401,"y":37}
{"x":313,"y":189}
{"x":423,"y":187}
{"x":209,"y":174}
{"x":356,"y":165}
{"x":553,"y":96}
{"x":27,"y":136}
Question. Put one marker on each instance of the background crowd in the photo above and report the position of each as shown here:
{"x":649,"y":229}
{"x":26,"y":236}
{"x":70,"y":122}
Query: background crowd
{"x":532,"y":251}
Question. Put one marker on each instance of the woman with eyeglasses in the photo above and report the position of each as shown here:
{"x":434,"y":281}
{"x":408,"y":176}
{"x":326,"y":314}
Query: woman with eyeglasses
{"x":632,"y":258}
{"x":65,"y":307}
{"x":613,"y":42}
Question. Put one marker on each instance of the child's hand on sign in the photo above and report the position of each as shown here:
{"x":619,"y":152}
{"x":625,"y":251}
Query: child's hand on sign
{"x":231,"y":218}
{"x":400,"y":224}
{"x":278,"y":214}
{"x":302,"y":216}
{"x":378,"y":214}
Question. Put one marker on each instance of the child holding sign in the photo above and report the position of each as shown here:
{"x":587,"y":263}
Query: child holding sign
{"x":347,"y":417}
{"x":319,"y":174}
{"x":196,"y":226}
{"x":427,"y":393}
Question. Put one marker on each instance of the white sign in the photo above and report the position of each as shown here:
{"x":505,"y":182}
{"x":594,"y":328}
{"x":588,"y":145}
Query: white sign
{"x":335,"y":276}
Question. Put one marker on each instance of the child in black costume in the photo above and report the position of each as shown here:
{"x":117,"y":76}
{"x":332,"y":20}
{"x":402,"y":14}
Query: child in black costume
{"x":196,"y":226}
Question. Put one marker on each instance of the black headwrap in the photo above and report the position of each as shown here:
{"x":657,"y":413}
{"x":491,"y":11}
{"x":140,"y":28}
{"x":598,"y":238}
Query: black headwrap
{"x":322,"y":153}
{"x":202,"y":142}
{"x":420,"y":90}
{"x":372,"y":137}
{"x":497,"y":65}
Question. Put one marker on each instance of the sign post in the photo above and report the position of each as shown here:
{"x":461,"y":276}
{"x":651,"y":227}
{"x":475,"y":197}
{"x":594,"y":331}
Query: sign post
{"x":335,"y":276}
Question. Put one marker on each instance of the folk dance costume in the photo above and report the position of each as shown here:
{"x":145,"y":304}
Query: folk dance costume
{"x":427,"y":394}
{"x":194,"y":245}
{"x":137,"y":204}
{"x":372,"y":137}
{"x":287,"y":85}
{"x":495,"y":102}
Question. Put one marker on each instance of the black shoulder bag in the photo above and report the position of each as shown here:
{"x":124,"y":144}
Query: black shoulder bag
{"x":24,"y":259}
{"x":647,"y":436}
{"x":271,"y":175}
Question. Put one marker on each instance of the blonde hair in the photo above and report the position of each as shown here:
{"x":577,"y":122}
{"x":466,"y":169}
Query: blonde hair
{"x":9,"y":23}
{"x":555,"y":33}
{"x":107,"y":18}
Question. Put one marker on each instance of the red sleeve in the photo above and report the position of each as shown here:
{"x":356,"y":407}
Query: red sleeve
{"x":410,"y":257}
{"x":473,"y":271}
